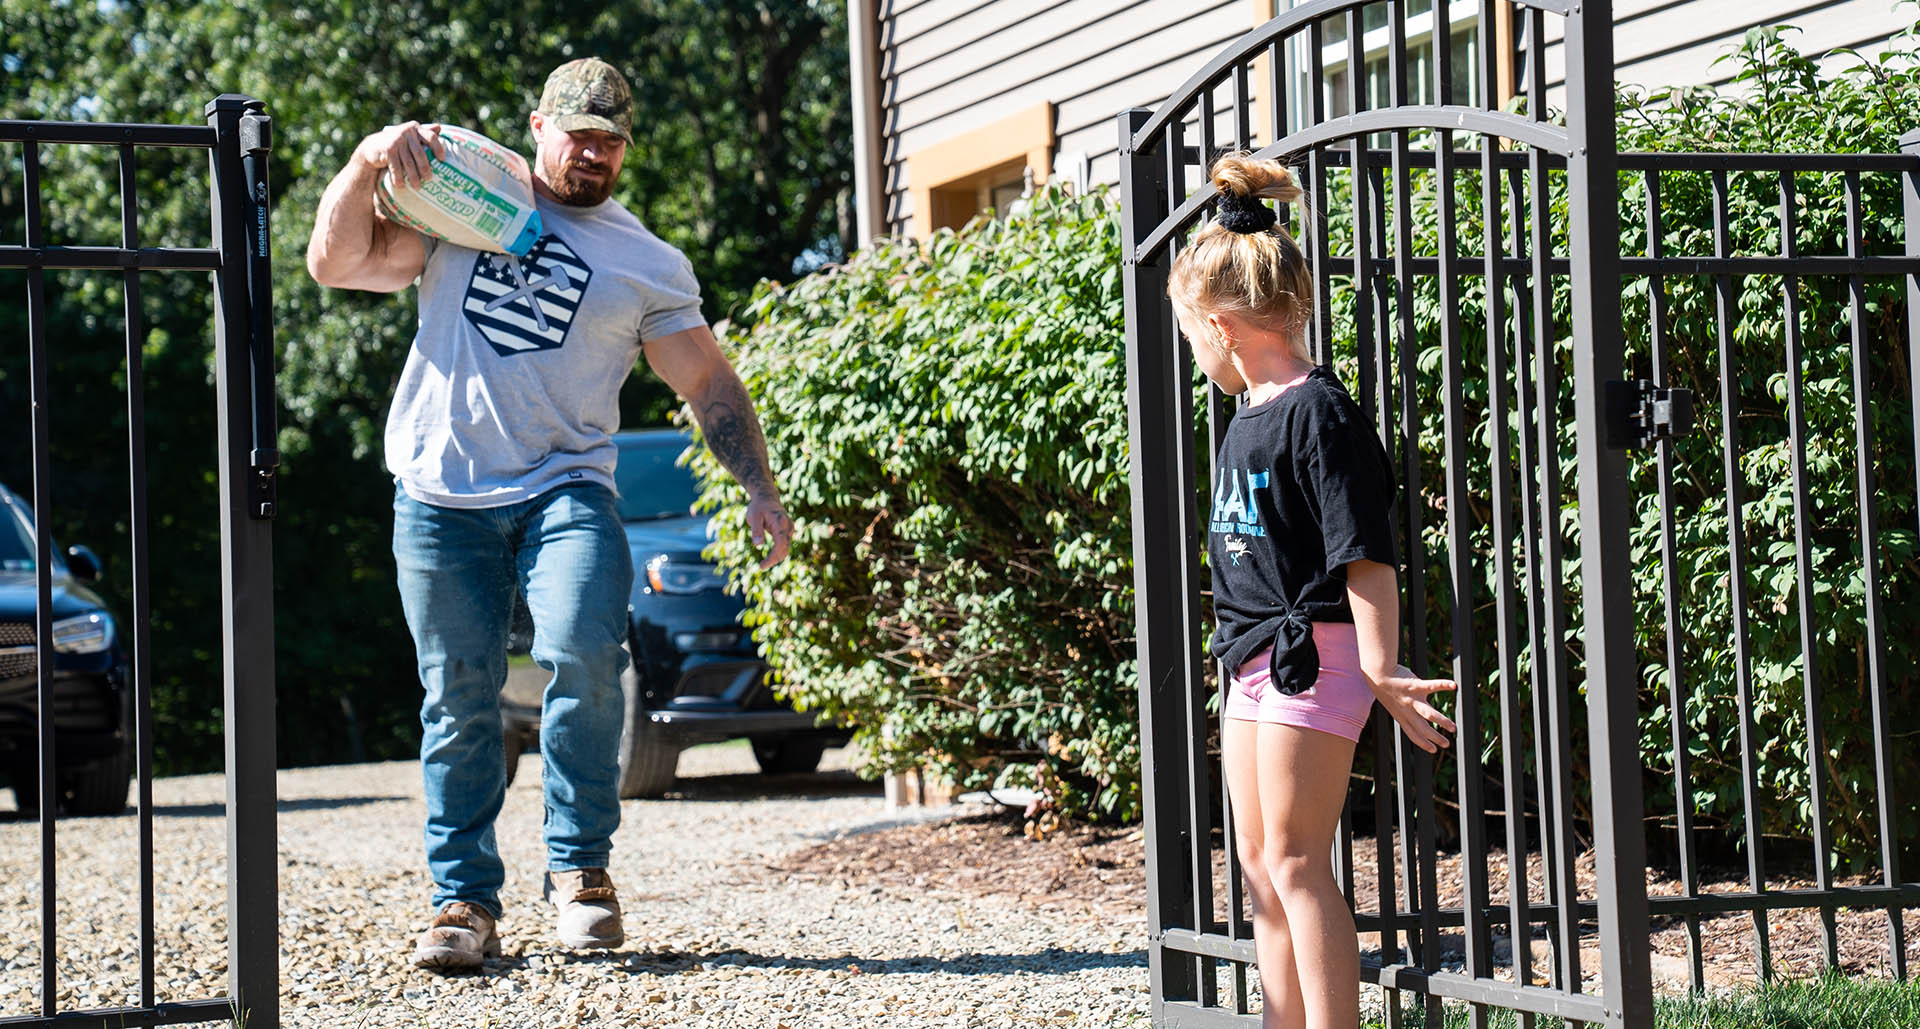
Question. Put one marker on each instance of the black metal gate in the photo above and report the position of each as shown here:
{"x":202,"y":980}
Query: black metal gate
{"x":1529,"y":517}
{"x":238,"y":136}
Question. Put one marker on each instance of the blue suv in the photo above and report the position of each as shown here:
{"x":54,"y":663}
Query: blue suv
{"x":92,"y":696}
{"x":695,"y":676}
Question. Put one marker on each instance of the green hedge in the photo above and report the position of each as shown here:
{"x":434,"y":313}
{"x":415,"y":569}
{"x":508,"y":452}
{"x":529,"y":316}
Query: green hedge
{"x":949,"y":424}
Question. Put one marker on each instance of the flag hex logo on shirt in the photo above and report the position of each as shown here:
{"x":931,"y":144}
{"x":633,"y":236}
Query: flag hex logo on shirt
{"x":527,"y":304}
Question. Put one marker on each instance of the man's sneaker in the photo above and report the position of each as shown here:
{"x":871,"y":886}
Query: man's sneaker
{"x":589,"y":910}
{"x":461,"y":937}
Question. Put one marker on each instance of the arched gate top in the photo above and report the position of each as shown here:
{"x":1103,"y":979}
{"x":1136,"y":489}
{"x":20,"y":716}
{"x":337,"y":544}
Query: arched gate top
{"x":1256,"y":42}
{"x":1164,"y":123}
{"x":1541,"y":135}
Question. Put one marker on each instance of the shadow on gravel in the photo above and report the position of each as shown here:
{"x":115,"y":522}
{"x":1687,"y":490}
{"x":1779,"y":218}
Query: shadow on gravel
{"x":220,"y":810}
{"x":298,"y":804}
{"x":750,"y":786}
{"x":663,"y":963}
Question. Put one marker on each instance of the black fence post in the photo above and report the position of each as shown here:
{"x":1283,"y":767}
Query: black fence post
{"x":246,"y":567}
{"x":1593,"y":210}
{"x":1159,"y":487}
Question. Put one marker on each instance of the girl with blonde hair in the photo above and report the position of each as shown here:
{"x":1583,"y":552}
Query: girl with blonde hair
{"x":1305,"y":588}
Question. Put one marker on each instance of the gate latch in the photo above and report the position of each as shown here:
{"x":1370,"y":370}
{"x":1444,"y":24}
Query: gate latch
{"x":263,"y":499}
{"x":1640,"y":414}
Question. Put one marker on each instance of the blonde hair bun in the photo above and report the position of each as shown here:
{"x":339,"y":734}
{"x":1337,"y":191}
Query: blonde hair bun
{"x":1244,"y":262}
{"x":1243,"y":175}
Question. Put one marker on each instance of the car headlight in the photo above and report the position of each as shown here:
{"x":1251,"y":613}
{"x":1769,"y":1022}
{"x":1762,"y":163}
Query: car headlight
{"x":83,"y":634}
{"x":669,"y":576}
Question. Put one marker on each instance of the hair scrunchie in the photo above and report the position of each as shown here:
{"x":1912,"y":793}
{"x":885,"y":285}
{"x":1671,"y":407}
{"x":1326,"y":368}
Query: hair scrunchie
{"x":1245,"y":214}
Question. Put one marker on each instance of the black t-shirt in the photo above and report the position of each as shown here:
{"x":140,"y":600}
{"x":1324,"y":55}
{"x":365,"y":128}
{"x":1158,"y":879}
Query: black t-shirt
{"x":1302,"y":486}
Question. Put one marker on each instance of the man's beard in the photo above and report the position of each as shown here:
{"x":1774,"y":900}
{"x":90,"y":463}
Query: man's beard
{"x":578,"y":192}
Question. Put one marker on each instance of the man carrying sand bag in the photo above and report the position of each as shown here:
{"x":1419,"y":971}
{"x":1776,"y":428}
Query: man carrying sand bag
{"x":499,"y":443}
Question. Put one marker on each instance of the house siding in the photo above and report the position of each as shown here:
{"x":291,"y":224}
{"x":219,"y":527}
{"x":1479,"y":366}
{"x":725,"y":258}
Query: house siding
{"x":951,"y":66}
{"x":947,"y":67}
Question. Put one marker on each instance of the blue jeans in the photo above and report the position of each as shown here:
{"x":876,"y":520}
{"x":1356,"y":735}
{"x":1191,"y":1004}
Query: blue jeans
{"x":457,"y":569}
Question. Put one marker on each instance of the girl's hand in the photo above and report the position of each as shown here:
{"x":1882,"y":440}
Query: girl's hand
{"x":1406,"y":697}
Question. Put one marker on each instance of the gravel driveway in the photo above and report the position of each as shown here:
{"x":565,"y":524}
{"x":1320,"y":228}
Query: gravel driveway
{"x":715,"y":938}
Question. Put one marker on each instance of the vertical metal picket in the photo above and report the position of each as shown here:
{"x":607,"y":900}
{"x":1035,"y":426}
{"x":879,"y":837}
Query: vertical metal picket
{"x":42,"y":580}
{"x":1866,"y":482}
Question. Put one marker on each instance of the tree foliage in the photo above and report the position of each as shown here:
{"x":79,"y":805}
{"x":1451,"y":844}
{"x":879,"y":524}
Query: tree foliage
{"x":740,"y":159}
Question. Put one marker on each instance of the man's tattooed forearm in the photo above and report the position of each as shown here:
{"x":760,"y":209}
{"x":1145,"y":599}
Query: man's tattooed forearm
{"x":733,"y":434}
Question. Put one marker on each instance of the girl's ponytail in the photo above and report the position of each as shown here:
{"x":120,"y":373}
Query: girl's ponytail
{"x":1245,"y":262}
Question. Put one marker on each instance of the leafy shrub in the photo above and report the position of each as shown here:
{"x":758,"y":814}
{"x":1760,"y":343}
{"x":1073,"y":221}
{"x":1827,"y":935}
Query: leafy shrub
{"x":949,"y":426}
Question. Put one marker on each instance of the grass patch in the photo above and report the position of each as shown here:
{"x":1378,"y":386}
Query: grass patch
{"x":1832,"y":1002}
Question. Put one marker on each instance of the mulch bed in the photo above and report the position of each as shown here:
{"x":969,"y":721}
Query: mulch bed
{"x":1083,"y":870}
{"x":1095,"y":872}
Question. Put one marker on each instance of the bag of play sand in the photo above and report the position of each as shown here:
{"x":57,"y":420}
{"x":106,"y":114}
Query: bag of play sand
{"x":479,"y":196}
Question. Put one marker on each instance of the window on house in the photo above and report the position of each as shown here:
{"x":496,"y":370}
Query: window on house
{"x":1461,"y":33}
{"x":1002,"y":197}
{"x":989,"y":168}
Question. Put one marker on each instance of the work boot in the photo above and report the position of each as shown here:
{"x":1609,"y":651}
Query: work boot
{"x":460,"y":938}
{"x":589,"y":910}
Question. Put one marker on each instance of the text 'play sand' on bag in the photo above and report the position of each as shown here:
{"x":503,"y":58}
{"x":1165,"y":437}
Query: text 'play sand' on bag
{"x":479,"y":196}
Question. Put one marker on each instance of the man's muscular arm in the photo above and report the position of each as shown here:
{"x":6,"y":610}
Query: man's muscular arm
{"x":733,"y":433}
{"x":691,"y":363}
{"x":354,"y":247}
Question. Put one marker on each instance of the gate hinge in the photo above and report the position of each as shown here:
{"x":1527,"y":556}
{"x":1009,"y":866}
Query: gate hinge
{"x":264,"y":493}
{"x":1639,"y":414}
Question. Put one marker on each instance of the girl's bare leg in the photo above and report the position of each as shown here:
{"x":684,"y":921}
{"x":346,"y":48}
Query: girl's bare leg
{"x":1280,"y":1003}
{"x":1302,"y":776}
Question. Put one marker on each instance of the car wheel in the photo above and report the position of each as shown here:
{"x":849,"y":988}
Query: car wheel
{"x":788,"y":755}
{"x":100,"y":787}
{"x":515,"y":744}
{"x":648,"y":751}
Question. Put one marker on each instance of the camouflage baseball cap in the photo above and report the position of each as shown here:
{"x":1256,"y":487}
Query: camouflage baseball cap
{"x":589,"y":94}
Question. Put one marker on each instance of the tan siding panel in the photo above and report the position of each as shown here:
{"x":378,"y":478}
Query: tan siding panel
{"x":943,"y":18}
{"x":983,"y":22}
{"x":1696,"y":65}
{"x":1106,"y":51}
{"x":1093,"y":110}
{"x":1097,"y":69}
{"x":895,"y":8}
{"x":1105,"y":169}
{"x":1086,"y":122}
{"x":1011,"y":45}
{"x":1648,"y":49}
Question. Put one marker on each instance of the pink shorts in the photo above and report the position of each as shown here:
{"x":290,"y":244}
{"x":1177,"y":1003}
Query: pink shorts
{"x":1338,"y":703}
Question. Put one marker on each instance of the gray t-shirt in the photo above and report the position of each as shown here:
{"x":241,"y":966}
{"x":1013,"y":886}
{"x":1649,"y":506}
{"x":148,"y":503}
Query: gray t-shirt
{"x":512,"y":386}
